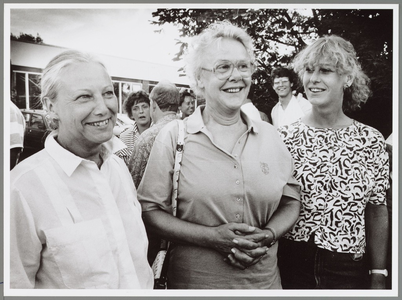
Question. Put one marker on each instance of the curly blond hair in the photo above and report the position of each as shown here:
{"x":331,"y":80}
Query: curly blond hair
{"x":343,"y":55}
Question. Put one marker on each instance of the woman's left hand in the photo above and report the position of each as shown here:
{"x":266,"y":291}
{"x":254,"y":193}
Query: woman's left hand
{"x":243,"y":260}
{"x":243,"y":256}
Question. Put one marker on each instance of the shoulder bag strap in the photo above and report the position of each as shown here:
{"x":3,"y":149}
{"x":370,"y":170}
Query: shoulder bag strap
{"x":177,"y":164}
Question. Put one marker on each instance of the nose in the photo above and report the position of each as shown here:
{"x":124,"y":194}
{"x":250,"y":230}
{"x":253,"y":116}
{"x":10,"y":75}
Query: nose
{"x":104,"y":104}
{"x":315,"y":76}
{"x":235,"y":74}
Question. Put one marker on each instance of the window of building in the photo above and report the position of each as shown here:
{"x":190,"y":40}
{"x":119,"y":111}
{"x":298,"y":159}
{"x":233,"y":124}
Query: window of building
{"x":122,"y":89}
{"x":27,"y":87}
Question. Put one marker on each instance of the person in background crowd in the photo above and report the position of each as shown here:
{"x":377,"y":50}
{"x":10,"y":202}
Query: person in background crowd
{"x":17,"y":130}
{"x":289,"y":107}
{"x":342,"y":166}
{"x":236,"y":192}
{"x":75,"y":218}
{"x":186,"y":104}
{"x":164,"y":103}
{"x":137,"y":108}
{"x":249,"y":109}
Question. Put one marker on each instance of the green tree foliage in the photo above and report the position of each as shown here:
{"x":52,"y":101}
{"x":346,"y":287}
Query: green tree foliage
{"x":280,"y":33}
{"x":28,"y":38}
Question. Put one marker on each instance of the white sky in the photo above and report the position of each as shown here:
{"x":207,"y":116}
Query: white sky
{"x":118,"y":32}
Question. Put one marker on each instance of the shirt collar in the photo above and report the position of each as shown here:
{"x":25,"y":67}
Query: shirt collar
{"x":195,"y":122}
{"x":69,"y":161}
{"x":171,"y":115}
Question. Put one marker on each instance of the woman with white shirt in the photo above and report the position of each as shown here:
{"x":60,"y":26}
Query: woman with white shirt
{"x":75,"y":219}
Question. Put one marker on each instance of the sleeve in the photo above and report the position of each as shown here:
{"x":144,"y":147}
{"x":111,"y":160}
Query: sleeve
{"x":25,"y":246}
{"x":380,"y":170}
{"x":154,"y":191}
{"x":292,"y":188}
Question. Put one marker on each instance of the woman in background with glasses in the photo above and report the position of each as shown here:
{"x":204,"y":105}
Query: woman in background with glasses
{"x":236,"y":193}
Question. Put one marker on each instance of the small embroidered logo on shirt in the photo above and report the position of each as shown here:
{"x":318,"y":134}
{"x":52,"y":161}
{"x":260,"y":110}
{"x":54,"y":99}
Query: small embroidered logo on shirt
{"x":264,"y":168}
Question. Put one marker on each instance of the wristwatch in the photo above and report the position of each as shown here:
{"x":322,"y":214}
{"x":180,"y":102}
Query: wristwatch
{"x":379,"y":271}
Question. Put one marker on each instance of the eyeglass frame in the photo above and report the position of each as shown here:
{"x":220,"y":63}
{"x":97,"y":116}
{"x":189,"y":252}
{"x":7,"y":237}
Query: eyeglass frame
{"x":234,"y":65}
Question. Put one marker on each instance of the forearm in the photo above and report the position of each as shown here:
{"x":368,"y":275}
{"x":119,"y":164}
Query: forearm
{"x":284,"y":217}
{"x":377,"y":235}
{"x":175,"y":229}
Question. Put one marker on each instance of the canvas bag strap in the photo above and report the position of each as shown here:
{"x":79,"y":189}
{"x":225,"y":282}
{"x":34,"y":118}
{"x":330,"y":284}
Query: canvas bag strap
{"x":177,"y":164}
{"x":158,"y":266}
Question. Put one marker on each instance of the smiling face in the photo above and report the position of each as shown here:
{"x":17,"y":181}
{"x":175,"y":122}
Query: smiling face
{"x":86,"y":107}
{"x":282,"y":86}
{"x":141,"y":114}
{"x":225,"y":94}
{"x":323,"y":85}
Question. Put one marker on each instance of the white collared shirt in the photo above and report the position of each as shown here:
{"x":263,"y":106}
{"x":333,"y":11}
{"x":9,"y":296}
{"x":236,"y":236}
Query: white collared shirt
{"x":297,"y":108}
{"x":74,"y":225}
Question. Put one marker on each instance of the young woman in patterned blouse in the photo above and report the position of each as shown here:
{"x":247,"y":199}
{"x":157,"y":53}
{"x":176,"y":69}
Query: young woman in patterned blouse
{"x":341,"y":234}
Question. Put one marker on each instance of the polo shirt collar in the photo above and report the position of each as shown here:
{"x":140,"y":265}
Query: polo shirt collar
{"x":66,"y":159}
{"x":195,"y":123}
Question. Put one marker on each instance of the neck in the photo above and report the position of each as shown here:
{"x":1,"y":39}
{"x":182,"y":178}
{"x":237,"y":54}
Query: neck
{"x":92,"y":154}
{"x":212,"y":115}
{"x":285,"y":100}
{"x":142,"y":128}
{"x":327,"y":119}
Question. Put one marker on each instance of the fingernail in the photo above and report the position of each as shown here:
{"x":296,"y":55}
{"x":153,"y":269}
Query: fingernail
{"x":251,"y":228}
{"x":235,"y":241}
{"x":233,"y":250}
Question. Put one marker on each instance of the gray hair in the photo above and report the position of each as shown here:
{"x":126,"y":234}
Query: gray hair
{"x":214,"y":33}
{"x":51,"y":74}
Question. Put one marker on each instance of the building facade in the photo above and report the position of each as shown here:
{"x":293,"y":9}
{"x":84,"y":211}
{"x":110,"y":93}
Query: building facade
{"x":128,"y":75}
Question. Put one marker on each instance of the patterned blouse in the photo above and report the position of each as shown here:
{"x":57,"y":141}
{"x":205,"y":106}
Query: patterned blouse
{"x":130,"y":136}
{"x":340,"y":171}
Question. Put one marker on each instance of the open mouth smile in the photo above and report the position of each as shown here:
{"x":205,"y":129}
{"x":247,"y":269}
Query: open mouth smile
{"x":233,"y":90}
{"x":316,"y":90}
{"x":99,"y":124}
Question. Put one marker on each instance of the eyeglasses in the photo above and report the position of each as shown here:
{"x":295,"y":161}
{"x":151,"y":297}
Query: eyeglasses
{"x":223,"y":70}
{"x":281,"y":81}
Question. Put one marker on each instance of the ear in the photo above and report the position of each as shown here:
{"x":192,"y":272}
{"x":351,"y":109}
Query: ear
{"x":349,"y":80}
{"x":48,"y":105}
{"x":200,"y":81}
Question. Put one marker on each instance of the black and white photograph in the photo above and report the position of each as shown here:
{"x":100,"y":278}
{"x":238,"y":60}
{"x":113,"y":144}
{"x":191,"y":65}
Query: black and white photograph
{"x":179,"y":150}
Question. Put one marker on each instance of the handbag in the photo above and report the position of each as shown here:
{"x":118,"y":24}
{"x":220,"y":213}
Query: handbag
{"x":160,"y":264}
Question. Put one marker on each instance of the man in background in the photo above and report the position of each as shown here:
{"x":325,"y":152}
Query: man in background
{"x":289,"y":107}
{"x":164,"y":100}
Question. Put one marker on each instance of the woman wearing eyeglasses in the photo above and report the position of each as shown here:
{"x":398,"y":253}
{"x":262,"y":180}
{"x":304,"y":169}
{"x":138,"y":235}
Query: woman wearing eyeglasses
{"x":236,"y":193}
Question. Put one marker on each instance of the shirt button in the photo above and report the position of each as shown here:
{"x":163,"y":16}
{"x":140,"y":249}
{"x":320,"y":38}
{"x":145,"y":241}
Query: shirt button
{"x":237,"y":216}
{"x":235,"y":166}
{"x":237,"y":181}
{"x":238,"y":199}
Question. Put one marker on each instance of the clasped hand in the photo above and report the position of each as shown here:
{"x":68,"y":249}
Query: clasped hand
{"x":242,"y":245}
